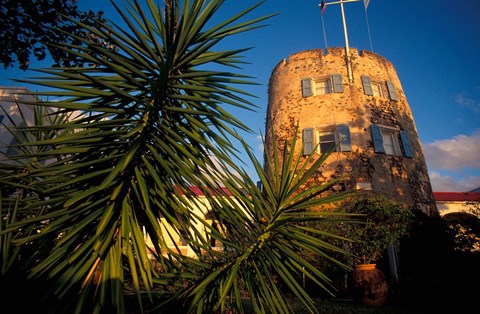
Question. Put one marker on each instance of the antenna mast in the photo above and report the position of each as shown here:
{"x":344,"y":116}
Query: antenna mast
{"x":347,"y":51}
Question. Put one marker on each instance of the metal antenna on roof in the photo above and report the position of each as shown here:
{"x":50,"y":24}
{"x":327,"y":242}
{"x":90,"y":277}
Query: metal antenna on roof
{"x":323,"y":6}
{"x":365,"y":4}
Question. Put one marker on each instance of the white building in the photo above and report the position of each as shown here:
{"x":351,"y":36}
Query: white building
{"x":14,"y":102}
{"x":456,"y":205}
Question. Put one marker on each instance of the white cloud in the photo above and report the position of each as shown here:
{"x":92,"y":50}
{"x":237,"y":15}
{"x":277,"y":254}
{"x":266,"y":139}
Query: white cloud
{"x":446,"y":183}
{"x":461,"y":151}
{"x":468,"y":103}
{"x":459,"y":155}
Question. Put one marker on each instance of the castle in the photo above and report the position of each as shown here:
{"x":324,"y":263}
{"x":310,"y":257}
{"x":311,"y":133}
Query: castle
{"x":361,"y":112}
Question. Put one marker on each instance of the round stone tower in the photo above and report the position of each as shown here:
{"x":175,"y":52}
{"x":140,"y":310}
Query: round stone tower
{"x":360,"y":112}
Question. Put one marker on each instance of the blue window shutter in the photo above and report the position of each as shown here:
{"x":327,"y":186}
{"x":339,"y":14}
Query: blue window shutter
{"x":377,"y":139}
{"x":345,"y":139}
{"x":407,"y":148}
{"x":337,"y":83}
{"x":367,"y":85}
{"x":307,"y":87}
{"x":391,"y":91}
{"x":308,"y":140}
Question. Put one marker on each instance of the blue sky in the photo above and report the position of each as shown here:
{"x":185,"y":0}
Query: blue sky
{"x":433,"y":44}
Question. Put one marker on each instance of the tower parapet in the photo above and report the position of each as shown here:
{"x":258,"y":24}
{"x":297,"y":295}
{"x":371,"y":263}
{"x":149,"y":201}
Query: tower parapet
{"x":368,"y":120}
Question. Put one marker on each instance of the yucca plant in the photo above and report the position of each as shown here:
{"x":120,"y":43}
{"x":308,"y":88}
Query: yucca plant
{"x":267,"y":262}
{"x":154,"y":123}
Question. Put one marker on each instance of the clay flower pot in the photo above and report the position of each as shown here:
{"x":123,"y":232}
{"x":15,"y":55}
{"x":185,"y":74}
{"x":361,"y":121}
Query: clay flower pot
{"x":369,"y":285}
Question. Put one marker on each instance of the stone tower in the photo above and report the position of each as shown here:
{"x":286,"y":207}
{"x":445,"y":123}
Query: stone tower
{"x":365,"y":115}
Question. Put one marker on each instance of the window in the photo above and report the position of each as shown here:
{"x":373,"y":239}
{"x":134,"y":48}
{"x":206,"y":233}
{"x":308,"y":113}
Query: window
{"x":377,"y":88}
{"x":327,"y":141}
{"x":392,"y":93}
{"x":336,"y":138}
{"x":320,"y":86}
{"x":390,"y":141}
{"x":308,"y":140}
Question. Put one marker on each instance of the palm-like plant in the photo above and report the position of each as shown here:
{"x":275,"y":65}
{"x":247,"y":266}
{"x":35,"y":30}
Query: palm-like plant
{"x":153,"y":114}
{"x":272,"y":239}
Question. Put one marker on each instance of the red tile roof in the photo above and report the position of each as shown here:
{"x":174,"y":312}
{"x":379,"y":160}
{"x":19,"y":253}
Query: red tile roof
{"x":456,"y":196}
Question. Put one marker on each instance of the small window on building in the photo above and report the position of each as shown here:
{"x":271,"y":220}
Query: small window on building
{"x":329,"y":139}
{"x":390,"y":141}
{"x":308,"y":140}
{"x":379,"y":88}
{"x":321,"y":86}
{"x":392,"y":92}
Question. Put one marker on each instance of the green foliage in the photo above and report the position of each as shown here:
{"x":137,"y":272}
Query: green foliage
{"x":467,"y":229}
{"x":146,"y":123}
{"x":381,"y":224}
{"x":35,"y":28}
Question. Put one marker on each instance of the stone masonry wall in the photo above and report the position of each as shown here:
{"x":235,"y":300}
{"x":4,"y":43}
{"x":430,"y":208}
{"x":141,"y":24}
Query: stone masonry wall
{"x":402,"y":179}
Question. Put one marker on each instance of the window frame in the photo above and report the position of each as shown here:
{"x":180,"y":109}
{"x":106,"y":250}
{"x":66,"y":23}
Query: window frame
{"x":333,"y":84}
{"x":377,"y":89}
{"x":312,"y":139}
{"x":327,"y":144}
{"x":385,"y":88}
{"x":400,"y":143}
{"x":325,"y":86}
{"x":391,"y":142}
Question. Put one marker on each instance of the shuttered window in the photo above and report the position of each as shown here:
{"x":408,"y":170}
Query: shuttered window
{"x":306,"y":87}
{"x":388,"y":140}
{"x":327,"y":142}
{"x":308,"y":140}
{"x":367,"y":86}
{"x":392,"y":93}
{"x":336,"y":139}
{"x":377,"y":88}
{"x":320,"y":86}
{"x":337,"y":83}
{"x":344,"y":138}
{"x":407,"y":149}
{"x":377,"y":139}
{"x":323,"y":87}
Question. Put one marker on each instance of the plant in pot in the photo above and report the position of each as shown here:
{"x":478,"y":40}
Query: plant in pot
{"x":381,"y":224}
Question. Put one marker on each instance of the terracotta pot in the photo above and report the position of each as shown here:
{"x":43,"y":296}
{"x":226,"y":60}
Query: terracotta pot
{"x":369,"y":285}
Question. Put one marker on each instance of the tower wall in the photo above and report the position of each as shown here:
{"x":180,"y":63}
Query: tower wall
{"x":296,"y":96}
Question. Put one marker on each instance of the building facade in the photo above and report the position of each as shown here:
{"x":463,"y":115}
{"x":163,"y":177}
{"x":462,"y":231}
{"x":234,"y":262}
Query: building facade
{"x":458,"y":205}
{"x":361,"y":113}
{"x":13,"y":105}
